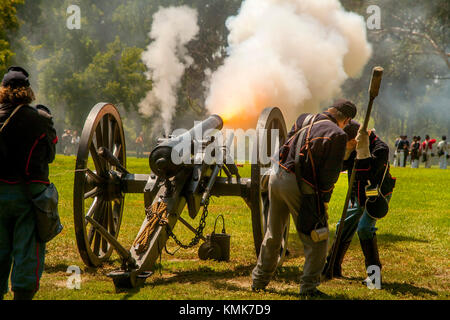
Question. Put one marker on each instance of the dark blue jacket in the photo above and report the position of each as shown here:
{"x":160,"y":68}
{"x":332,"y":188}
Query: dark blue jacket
{"x":371,"y":169}
{"x":28,"y":144}
{"x":328,"y":143}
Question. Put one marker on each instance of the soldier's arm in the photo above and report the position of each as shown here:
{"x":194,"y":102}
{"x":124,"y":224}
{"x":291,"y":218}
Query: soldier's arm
{"x":367,"y":169}
{"x":332,"y":166}
{"x":51,"y":139}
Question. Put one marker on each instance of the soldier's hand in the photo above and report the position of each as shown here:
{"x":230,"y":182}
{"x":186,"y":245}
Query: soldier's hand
{"x":362,"y":145}
{"x":325,"y":204}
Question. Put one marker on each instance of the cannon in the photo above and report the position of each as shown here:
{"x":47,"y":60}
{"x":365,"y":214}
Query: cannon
{"x":102,"y":181}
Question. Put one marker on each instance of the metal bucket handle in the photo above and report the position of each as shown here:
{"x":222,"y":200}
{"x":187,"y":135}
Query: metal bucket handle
{"x":223,"y":224}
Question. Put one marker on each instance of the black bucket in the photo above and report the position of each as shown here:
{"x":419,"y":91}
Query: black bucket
{"x":223,"y":241}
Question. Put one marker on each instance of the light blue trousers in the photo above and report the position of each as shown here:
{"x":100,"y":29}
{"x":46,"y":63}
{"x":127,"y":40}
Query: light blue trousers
{"x":358,"y":220}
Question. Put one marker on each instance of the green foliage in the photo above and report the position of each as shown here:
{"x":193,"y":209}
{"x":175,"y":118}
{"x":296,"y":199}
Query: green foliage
{"x":8,"y":23}
{"x":412,"y":239}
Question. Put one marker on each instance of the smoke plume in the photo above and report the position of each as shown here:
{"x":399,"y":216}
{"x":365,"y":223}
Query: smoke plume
{"x":294,"y":54}
{"x":166,"y":59}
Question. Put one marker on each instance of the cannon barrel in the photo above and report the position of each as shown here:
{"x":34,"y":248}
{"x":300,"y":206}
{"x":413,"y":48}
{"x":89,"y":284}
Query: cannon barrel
{"x":161,"y":160}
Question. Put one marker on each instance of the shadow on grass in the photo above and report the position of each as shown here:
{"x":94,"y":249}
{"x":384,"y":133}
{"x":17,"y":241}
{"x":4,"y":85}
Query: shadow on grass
{"x":287,"y":275}
{"x":284,"y":293}
{"x":62,"y":267}
{"x":389,"y":237}
{"x":204,"y":273}
{"x":398,"y":288}
{"x":56,"y":268}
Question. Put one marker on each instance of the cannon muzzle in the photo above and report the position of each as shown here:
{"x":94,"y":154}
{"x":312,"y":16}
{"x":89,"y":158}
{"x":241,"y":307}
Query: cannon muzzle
{"x":167,"y":158}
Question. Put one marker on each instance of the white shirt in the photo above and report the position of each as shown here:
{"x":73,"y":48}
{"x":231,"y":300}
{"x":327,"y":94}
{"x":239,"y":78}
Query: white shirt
{"x":443,"y":145}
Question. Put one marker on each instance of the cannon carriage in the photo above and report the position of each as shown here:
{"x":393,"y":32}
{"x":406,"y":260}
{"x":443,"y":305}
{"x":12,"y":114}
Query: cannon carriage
{"x":102,"y":181}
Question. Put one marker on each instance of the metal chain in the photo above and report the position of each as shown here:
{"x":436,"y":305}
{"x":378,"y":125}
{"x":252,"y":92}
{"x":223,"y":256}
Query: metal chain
{"x":198,"y":233}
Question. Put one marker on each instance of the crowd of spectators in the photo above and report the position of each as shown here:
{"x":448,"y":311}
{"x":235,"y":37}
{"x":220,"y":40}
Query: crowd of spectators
{"x":420,"y":151}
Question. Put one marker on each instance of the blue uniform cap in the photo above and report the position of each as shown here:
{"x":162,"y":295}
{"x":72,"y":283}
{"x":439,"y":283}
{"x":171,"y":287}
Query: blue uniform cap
{"x":16,"y":77}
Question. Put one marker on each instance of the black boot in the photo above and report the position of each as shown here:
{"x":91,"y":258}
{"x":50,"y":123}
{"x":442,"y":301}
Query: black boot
{"x":371,"y":257}
{"x":337,"y":267}
{"x":24,"y":295}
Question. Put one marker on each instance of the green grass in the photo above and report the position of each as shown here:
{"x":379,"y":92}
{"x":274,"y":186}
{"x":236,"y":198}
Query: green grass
{"x":413,"y":241}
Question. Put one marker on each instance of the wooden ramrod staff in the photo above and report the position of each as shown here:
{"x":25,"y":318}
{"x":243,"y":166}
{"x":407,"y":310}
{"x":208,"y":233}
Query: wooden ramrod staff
{"x":373,"y":93}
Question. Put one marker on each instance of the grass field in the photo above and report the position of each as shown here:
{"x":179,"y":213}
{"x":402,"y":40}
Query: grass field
{"x":413,"y":240}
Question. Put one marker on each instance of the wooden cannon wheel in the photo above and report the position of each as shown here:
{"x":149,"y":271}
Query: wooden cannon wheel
{"x":97,"y":191}
{"x":270,"y":118}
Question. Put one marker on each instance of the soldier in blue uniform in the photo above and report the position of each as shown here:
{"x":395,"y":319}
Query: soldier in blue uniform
{"x":310,"y":163}
{"x":27,"y":146}
{"x":372,"y":168}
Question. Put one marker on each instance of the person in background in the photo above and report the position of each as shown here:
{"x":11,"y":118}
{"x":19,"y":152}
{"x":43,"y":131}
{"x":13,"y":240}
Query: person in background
{"x":402,"y":150}
{"x":27,"y":146}
{"x":396,"y":157}
{"x":75,"y":142}
{"x":140,"y":145}
{"x":442,"y":149}
{"x":415,"y":152}
{"x":427,"y":150}
{"x":66,"y":140}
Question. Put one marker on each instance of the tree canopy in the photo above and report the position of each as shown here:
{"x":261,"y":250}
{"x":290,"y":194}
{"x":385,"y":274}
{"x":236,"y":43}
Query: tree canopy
{"x":73,"y":69}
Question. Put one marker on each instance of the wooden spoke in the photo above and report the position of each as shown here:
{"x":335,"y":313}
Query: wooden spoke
{"x":94,"y":176}
{"x":93,"y":193}
{"x":98,"y":161}
{"x":93,"y":207}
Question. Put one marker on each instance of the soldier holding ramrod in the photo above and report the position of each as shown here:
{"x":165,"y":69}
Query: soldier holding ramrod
{"x":372,"y":173}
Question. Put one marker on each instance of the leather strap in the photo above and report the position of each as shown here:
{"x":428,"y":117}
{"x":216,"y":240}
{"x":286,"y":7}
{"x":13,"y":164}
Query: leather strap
{"x":10,"y":117}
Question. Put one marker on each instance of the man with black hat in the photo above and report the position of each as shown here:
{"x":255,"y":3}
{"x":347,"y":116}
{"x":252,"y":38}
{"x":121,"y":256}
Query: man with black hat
{"x":27,"y":146}
{"x":402,"y":150}
{"x":415,"y":151}
{"x":302,"y":183}
{"x":372,"y":178}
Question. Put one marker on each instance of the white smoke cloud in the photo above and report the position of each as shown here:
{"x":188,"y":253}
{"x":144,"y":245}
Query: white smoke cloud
{"x":293,"y":54}
{"x":166,"y":59}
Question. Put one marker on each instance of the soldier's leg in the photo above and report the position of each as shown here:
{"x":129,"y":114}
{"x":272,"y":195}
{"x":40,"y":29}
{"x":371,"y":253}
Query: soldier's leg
{"x":28,"y":253}
{"x":6,"y":226}
{"x":443,"y":161}
{"x":428,"y":162}
{"x":28,"y":256}
{"x":315,"y":255}
{"x":354,"y":213}
{"x":277,"y":218}
{"x":368,"y":240}
{"x":401,"y":156}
